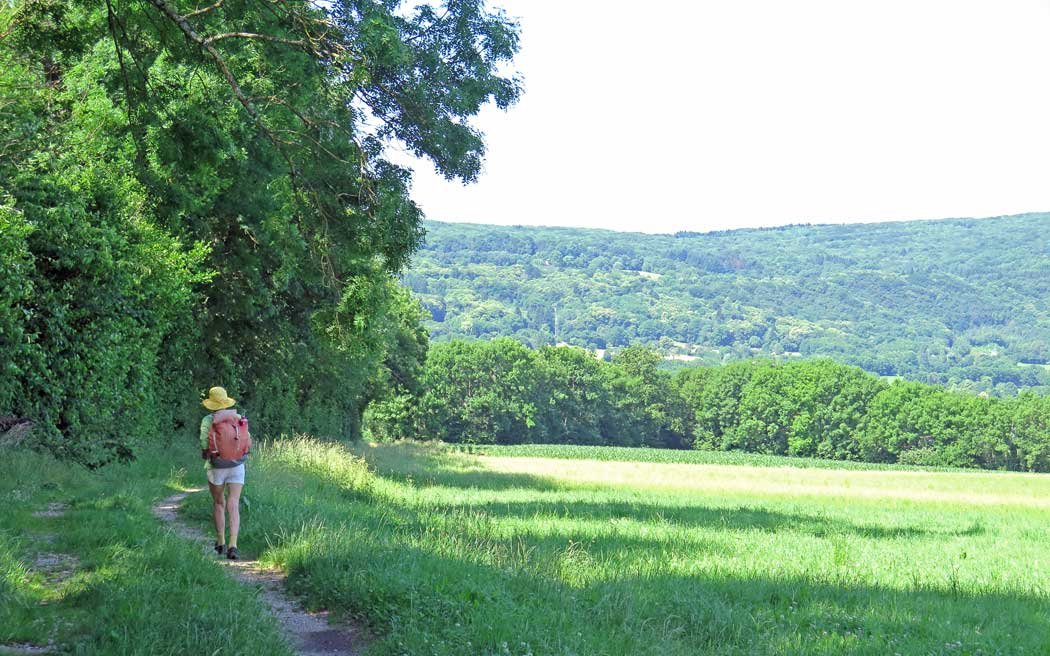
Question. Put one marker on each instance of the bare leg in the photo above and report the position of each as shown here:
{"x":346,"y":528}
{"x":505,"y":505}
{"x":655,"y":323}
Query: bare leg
{"x":218,"y":513}
{"x":233,"y":500}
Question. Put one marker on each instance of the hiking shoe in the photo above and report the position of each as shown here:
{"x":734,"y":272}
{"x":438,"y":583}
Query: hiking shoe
{"x":220,"y":548}
{"x":231,"y":553}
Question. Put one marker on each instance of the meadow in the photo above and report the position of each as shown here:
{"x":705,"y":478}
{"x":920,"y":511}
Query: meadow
{"x":501,"y":552}
{"x":562,"y":551}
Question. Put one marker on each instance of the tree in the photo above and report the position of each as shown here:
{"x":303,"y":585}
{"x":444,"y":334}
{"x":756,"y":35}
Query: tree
{"x":913,"y":423}
{"x":393,"y":387}
{"x":97,"y":299}
{"x":574,"y":386}
{"x":647,"y":396}
{"x":220,"y":160}
{"x":1031,"y":428}
{"x":810,"y":408}
{"x":480,"y":392}
{"x":715,"y":401}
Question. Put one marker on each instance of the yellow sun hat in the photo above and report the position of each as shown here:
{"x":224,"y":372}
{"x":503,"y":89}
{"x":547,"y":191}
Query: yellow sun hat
{"x":217,"y":399}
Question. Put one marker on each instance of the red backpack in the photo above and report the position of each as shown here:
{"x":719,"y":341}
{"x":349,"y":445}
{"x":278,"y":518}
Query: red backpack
{"x":229,"y":438}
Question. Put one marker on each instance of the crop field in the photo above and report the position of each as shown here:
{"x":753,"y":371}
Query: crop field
{"x":576,"y":551}
{"x":646,"y":454}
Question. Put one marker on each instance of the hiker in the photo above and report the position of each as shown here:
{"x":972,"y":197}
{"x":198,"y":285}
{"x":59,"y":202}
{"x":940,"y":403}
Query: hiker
{"x":224,"y":446}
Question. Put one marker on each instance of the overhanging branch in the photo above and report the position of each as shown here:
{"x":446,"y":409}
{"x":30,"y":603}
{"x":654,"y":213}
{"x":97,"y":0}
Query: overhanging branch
{"x":224,"y":68}
{"x":251,"y":35}
{"x":205,"y":10}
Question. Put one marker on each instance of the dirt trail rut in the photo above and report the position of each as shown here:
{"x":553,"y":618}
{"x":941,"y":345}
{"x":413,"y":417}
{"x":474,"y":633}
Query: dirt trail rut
{"x":310,"y":634}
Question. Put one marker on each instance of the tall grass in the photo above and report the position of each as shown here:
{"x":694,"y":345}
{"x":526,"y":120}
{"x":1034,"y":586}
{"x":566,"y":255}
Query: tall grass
{"x":450,"y":553}
{"x":129,"y":585}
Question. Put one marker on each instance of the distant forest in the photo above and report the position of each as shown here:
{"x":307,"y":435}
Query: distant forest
{"x":502,"y":392}
{"x":958,"y":302}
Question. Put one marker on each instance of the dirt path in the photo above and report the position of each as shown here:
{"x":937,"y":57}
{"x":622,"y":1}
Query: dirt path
{"x":310,"y":634}
{"x":56,"y":569}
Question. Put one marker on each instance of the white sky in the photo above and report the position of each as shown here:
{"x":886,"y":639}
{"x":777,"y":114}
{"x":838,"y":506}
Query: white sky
{"x":664,"y":116}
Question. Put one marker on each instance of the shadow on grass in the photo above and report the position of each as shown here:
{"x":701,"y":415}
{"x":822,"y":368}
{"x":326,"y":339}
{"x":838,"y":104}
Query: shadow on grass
{"x":421,"y":600}
{"x":738,"y":518}
{"x":441,"y":469}
{"x":444,"y":579}
{"x":429,"y":466}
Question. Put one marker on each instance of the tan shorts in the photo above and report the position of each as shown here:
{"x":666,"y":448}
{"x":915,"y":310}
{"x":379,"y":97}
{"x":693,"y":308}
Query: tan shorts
{"x":227,"y":475}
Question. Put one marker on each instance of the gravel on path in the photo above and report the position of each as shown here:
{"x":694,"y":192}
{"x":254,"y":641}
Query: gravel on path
{"x":310,"y":634}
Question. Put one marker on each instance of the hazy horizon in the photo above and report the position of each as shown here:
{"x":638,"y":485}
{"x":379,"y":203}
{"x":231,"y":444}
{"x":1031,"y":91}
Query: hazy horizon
{"x":757,"y":227}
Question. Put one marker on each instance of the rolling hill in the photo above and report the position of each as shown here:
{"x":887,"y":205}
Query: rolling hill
{"x":963,"y":302}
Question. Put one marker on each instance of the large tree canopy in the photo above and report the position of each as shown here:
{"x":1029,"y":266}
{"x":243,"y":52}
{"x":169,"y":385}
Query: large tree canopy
{"x":197,"y":193}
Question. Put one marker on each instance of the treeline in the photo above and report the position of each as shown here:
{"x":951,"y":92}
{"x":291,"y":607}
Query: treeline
{"x":188,"y":198}
{"x":502,"y":392}
{"x":961,"y":303}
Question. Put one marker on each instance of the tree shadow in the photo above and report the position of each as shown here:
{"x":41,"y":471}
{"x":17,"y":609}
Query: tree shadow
{"x":433,"y":467}
{"x":451,"y":573}
{"x":739,"y":518}
{"x":461,"y":598}
{"x":438,"y":470}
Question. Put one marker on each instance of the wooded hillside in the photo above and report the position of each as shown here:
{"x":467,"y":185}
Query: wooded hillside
{"x":963,"y":302}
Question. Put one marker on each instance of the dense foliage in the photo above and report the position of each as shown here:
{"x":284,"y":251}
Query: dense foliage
{"x":196,"y":195}
{"x":502,"y":392}
{"x":958,"y":302}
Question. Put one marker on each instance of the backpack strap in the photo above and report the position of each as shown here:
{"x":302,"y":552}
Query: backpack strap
{"x":213,"y":442}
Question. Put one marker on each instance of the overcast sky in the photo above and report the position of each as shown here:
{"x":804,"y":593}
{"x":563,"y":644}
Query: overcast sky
{"x":664,"y":116}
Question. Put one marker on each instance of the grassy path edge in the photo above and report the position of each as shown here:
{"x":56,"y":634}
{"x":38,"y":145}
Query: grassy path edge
{"x":310,"y":634}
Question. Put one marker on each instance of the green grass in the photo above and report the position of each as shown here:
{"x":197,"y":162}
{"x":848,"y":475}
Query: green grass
{"x":136,"y":588}
{"x":566,"y":551}
{"x":644,"y":454}
{"x":449,"y":553}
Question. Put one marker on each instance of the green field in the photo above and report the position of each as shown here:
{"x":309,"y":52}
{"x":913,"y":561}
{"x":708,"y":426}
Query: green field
{"x":451,"y":553}
{"x":540,"y":550}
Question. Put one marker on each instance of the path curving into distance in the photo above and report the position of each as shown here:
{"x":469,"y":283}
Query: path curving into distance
{"x":308,"y":633}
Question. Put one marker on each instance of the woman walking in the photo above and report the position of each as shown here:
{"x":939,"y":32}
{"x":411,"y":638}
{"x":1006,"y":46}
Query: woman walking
{"x":224,"y":443}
